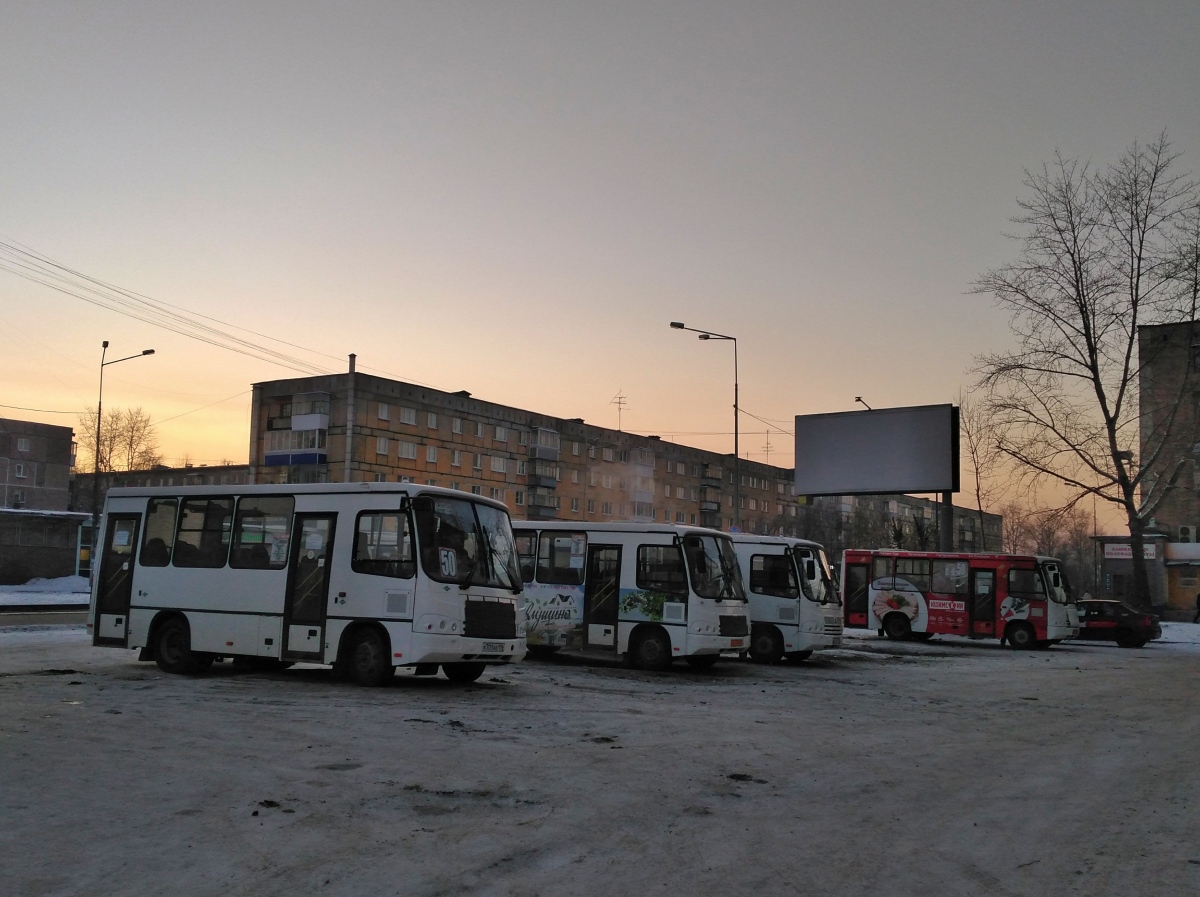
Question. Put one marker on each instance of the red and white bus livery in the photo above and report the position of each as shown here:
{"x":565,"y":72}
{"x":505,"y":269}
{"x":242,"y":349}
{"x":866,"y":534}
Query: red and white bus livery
{"x":1022,"y":599}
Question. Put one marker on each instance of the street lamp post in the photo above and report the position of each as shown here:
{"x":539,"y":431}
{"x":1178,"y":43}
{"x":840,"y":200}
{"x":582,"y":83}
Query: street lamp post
{"x":99,"y":418}
{"x":737,"y":469}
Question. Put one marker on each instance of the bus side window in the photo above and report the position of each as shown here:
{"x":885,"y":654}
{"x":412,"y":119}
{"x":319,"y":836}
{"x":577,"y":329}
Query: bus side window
{"x":383,"y":545}
{"x":526,"y":553}
{"x":202,"y":537}
{"x":773,"y":574}
{"x":560,"y":558}
{"x":159,"y":535}
{"x":660,"y":569}
{"x":261,"y":531}
{"x":881,"y":568}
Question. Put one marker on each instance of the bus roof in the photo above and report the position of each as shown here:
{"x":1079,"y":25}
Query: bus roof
{"x":980,"y":555}
{"x":576,"y":526}
{"x":752,"y":539}
{"x":301,"y":489}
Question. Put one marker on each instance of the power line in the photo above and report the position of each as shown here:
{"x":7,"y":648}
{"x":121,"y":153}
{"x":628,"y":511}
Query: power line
{"x":38,"y":410}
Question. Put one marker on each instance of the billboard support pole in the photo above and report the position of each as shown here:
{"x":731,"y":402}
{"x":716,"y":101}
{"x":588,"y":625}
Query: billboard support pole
{"x":946,"y":523}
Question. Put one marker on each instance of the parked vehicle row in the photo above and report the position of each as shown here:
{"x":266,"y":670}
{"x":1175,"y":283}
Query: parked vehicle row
{"x":368,"y":577}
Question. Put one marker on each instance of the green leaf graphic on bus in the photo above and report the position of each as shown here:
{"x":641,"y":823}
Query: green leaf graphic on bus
{"x":640,"y":605}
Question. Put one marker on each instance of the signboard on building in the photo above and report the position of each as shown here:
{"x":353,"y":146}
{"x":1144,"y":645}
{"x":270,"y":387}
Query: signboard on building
{"x":1124,"y":551}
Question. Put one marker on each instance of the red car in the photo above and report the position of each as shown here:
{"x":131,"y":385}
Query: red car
{"x":1113,"y":621}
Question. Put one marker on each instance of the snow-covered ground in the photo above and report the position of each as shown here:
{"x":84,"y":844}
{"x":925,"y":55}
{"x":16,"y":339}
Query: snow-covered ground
{"x":63,"y":590}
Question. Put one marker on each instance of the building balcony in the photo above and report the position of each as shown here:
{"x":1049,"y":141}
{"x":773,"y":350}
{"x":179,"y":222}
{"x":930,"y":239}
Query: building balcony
{"x":710,"y":482}
{"x":540,"y":512}
{"x":710,"y":506}
{"x":543,"y":453}
{"x":533,"y":479}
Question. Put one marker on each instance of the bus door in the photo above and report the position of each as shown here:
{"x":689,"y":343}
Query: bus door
{"x":601,"y":594}
{"x":857,"y":582}
{"x":983,"y":602}
{"x":308,"y":587}
{"x":115,"y":589}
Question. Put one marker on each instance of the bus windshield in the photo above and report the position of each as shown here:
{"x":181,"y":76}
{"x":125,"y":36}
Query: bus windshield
{"x":820,"y":588}
{"x":1060,"y":588}
{"x":712,"y":566}
{"x":466,"y":543}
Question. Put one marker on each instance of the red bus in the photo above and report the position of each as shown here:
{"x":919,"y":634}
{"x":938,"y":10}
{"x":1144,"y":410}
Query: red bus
{"x":1021,"y":599}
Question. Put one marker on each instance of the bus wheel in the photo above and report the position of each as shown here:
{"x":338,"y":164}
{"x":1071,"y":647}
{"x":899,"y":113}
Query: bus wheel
{"x":702,"y":661}
{"x":463,"y":672}
{"x":173,"y":649}
{"x":1021,"y":636}
{"x":766,"y":644}
{"x":652,"y":651}
{"x":369,"y":663}
{"x":897,"y":627}
{"x":542,"y":650}
{"x":799,"y":656}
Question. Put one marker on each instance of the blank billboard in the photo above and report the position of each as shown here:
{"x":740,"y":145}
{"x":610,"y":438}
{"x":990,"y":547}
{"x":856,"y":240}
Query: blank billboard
{"x":871,"y":452}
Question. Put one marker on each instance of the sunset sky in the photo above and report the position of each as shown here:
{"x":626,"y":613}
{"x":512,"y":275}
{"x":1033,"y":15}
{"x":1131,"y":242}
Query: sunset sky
{"x":517,"y":198}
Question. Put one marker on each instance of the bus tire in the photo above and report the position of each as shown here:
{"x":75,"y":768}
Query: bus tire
{"x":922,"y":636}
{"x":542,"y":651}
{"x":702,"y":661}
{"x":766,"y":644}
{"x":799,"y":656}
{"x":1021,"y":636}
{"x":897,"y":627}
{"x":173,"y":648}
{"x":367,"y":659}
{"x":651,"y":650}
{"x":463,"y":673}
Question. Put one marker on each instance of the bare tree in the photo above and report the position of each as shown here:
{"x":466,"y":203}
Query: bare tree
{"x":1103,"y":253}
{"x":127,"y":441}
{"x":981,"y":444}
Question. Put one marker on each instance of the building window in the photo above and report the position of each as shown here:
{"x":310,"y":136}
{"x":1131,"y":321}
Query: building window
{"x":18,"y":498}
{"x":456,"y":425}
{"x":407,"y":450}
{"x":606,"y":481}
{"x":19,"y":471}
{"x":478,"y":429}
{"x":518,"y":498}
{"x":520,"y":468}
{"x":608,"y":454}
{"x":497,"y":494}
{"x":431,"y":420}
{"x":591,"y":506}
{"x":408,"y":416}
{"x":679,"y":517}
{"x":576,"y":448}
{"x":455,"y":458}
{"x":381,"y":478}
{"x":431,"y":454}
{"x":501,"y":434}
{"x":22,"y":444}
{"x":606,"y":508}
{"x":679,"y":493}
{"x":383,"y":412}
{"x":477,"y":490}
{"x":591,"y":478}
{"x":499,"y":464}
{"x":667,"y":489}
{"x":522,"y":437}
{"x":592,"y":452}
{"x":695,"y":495}
{"x":478,"y":465}
{"x":575,"y":505}
{"x":381,"y":445}
{"x":680,"y":468}
{"x":575,"y":477}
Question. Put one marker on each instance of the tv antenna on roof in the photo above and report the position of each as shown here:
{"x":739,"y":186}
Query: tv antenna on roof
{"x":619,"y":401}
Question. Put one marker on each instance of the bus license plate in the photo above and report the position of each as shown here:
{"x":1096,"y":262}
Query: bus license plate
{"x":493,"y":647}
{"x":735,"y":643}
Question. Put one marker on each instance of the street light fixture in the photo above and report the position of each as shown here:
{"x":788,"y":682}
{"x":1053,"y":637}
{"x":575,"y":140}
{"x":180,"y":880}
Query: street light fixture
{"x":737,"y":468}
{"x":860,"y":401}
{"x":99,"y":417}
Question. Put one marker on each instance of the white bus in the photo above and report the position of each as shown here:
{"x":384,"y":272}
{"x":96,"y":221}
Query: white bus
{"x":364,"y":576}
{"x":651,"y":592}
{"x":794,"y":604}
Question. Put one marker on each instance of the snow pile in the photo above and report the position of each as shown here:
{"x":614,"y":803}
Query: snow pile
{"x":63,"y":590}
